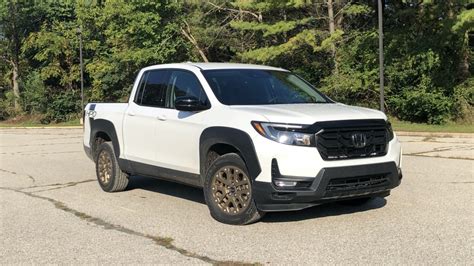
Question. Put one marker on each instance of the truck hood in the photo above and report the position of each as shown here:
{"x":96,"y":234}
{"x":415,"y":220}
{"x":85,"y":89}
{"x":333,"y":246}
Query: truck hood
{"x":310,"y":113}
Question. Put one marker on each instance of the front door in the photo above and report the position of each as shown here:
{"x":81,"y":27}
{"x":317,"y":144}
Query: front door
{"x":179,"y":149}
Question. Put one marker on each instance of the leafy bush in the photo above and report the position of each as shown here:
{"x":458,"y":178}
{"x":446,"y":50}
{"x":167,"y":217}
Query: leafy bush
{"x":354,"y":88}
{"x":63,"y":107}
{"x":464,"y":101}
{"x":422,"y":106}
{"x":35,"y":94}
{"x":7,"y":108}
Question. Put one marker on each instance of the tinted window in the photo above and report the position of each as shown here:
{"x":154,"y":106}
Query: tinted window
{"x":141,"y":85}
{"x":154,"y":89}
{"x":257,"y":87}
{"x":184,"y":83}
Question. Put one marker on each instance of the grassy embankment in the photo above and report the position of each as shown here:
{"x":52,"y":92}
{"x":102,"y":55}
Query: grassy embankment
{"x":36,"y":123}
{"x":450,"y":127}
{"x":398,"y":125}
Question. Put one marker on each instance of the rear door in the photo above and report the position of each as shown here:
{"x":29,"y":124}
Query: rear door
{"x":140,"y":121}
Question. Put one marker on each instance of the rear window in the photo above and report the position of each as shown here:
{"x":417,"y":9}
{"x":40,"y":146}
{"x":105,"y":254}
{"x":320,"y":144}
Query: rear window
{"x":152,"y":89}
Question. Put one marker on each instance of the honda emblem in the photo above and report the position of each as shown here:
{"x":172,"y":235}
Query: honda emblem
{"x":359,"y":140}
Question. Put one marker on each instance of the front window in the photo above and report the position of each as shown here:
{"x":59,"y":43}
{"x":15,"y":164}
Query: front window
{"x":183,"y":83}
{"x":259,"y":87}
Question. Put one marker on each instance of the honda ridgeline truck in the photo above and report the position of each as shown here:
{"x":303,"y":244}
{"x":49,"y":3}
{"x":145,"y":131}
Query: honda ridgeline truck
{"x":255,"y":138}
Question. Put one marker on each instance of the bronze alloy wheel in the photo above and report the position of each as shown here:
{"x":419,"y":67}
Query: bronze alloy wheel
{"x":105,"y":167}
{"x":111,"y":178}
{"x":231,"y":190}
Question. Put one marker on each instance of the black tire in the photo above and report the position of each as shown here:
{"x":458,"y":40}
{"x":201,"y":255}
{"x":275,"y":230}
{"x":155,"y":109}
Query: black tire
{"x":109,"y":175}
{"x":240,"y":192}
{"x":356,"y":202}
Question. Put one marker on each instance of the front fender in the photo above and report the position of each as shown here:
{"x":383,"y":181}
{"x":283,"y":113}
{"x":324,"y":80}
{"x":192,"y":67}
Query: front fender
{"x":239,"y":139}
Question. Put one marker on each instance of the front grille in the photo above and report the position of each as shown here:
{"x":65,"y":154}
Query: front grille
{"x":356,"y":183}
{"x":338,"y":143}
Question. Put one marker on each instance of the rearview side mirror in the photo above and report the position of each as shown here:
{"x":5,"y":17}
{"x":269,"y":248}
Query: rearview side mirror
{"x":189,"y":103}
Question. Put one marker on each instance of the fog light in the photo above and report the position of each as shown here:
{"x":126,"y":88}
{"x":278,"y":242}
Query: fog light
{"x":280,"y":183}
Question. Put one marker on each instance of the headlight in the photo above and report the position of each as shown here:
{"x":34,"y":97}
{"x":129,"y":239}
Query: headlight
{"x":285,"y":133}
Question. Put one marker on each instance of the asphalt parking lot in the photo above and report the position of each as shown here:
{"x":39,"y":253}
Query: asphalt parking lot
{"x":53,"y":211}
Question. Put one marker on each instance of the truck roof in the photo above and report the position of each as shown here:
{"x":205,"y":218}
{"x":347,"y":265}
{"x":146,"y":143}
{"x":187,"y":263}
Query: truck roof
{"x":213,"y":66}
{"x":209,"y":66}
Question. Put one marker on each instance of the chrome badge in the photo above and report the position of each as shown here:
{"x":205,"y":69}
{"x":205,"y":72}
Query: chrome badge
{"x":359,"y":140}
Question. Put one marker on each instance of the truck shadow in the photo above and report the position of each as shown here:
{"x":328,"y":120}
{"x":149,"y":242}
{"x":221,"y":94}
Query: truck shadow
{"x":167,"y":188}
{"x":196,"y":195}
{"x":324,"y":210}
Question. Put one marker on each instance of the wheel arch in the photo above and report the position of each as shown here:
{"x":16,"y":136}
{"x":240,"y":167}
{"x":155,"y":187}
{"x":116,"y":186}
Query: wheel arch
{"x":226,"y":139}
{"x":104,"y":129}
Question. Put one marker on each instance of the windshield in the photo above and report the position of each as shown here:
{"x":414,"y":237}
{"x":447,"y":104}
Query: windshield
{"x":258,"y":87}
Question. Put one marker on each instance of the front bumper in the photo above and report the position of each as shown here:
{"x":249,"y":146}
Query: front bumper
{"x":330,"y":184}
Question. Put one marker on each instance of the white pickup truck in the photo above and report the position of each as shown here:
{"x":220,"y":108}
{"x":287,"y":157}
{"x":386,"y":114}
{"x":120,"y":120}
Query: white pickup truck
{"x":255,"y":138}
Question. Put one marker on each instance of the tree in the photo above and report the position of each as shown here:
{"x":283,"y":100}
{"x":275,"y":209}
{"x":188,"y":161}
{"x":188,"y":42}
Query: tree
{"x":332,"y":30}
{"x":17,"y":20}
{"x":464,"y":26}
{"x":123,"y":37}
{"x":331,"y":43}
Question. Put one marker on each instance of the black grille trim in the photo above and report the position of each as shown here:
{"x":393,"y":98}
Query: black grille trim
{"x":333,"y":139}
{"x":341,"y":186}
{"x":356,"y":183}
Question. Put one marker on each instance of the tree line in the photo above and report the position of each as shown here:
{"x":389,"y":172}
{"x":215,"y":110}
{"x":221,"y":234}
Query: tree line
{"x":331,"y":43}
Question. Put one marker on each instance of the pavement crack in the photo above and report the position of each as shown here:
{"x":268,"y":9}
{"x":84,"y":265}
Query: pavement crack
{"x":37,"y":153}
{"x":165,"y":242}
{"x":442,"y":149}
{"x":41,"y":144}
{"x":434,"y":141}
{"x":15,"y":173}
{"x":437,"y":156}
{"x":59,"y":185}
{"x":428,"y":138}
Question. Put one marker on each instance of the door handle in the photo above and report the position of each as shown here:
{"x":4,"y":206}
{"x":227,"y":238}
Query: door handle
{"x":131,"y":114}
{"x":161,"y":117}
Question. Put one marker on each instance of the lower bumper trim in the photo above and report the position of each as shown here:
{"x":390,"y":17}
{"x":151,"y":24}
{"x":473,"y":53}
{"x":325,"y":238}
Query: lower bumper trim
{"x":277,"y":207}
{"x":271,"y":198}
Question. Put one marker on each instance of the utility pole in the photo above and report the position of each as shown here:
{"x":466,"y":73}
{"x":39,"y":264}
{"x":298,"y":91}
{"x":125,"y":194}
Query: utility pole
{"x":332,"y":29}
{"x":79,"y":33}
{"x":381,"y":68}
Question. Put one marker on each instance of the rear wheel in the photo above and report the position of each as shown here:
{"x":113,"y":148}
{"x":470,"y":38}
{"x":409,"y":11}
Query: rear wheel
{"x":109,"y":175}
{"x":228,"y":191}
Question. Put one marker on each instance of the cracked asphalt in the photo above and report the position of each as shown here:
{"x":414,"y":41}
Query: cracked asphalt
{"x":53,"y":211}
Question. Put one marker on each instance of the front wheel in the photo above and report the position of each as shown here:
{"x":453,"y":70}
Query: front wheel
{"x":228,"y":191}
{"x":111,"y":178}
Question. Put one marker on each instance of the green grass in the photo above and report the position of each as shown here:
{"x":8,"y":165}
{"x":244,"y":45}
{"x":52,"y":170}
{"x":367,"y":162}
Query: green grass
{"x":449,"y":127}
{"x":35,"y":123}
